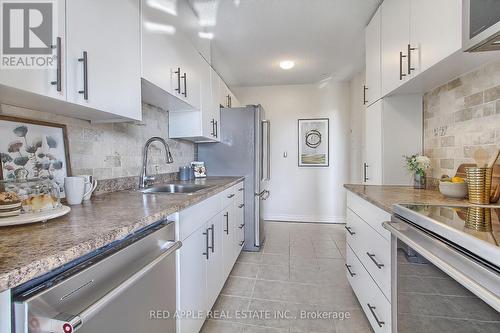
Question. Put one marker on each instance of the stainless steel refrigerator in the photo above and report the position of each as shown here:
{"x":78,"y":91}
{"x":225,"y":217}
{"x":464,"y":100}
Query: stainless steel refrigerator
{"x":244,"y":150}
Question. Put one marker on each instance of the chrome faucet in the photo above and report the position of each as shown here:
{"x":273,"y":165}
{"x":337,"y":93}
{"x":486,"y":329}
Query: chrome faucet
{"x":146,"y":180}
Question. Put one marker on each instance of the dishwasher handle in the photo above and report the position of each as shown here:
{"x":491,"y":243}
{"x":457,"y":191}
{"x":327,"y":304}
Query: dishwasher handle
{"x":77,"y":321}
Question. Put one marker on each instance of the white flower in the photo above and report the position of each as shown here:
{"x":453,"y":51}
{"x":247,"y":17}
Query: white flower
{"x":424,"y":162}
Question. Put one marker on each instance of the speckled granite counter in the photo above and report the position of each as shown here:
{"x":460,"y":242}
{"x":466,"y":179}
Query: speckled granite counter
{"x":32,"y":250}
{"x":386,"y":196}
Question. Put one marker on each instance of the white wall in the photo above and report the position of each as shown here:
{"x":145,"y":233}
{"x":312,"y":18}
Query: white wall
{"x":300,"y":193}
{"x":357,"y":127}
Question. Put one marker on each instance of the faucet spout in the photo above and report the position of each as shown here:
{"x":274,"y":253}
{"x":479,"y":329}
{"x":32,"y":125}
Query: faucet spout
{"x":146,"y":180}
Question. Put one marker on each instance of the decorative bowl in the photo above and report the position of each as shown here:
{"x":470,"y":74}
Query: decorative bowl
{"x":453,"y":190}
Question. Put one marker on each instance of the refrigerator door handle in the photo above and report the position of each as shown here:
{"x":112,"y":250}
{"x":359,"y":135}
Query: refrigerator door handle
{"x":267,"y":125}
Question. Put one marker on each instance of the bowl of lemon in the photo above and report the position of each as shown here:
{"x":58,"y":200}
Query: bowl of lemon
{"x":455,"y":187}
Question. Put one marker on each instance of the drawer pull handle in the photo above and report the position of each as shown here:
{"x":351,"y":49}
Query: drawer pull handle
{"x":349,"y":270}
{"x":241,"y":226}
{"x":229,"y":196}
{"x":352,"y":233}
{"x":226,"y":216}
{"x":372,"y":310}
{"x":241,"y":189}
{"x":242,"y":242}
{"x":372,"y":257}
{"x":241,"y":205}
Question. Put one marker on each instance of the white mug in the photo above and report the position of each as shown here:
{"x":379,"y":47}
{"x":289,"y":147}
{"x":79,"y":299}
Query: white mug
{"x":75,"y":190}
{"x":90,"y":186}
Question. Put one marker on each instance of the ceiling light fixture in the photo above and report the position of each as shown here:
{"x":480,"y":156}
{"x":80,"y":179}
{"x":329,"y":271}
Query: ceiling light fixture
{"x":206,"y":35}
{"x":287,"y":64}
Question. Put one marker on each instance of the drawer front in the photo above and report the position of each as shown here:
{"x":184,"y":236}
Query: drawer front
{"x":372,"y":249}
{"x":239,"y":229}
{"x":370,"y":213}
{"x":228,"y":196}
{"x":371,"y":298}
{"x":195,"y":216}
{"x":239,"y":190}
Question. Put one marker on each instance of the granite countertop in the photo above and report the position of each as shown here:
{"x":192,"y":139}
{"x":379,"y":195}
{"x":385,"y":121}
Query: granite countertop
{"x":32,"y":250}
{"x":385,"y":196}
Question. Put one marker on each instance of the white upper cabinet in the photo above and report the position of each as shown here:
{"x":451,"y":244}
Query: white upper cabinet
{"x":103,"y":55}
{"x":435,"y":31}
{"x":44,"y":82}
{"x":395,"y":36}
{"x":373,"y":143}
{"x":373,"y":62}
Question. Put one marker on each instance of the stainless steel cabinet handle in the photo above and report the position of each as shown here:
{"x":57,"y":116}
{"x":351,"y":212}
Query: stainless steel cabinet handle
{"x":228,"y":98}
{"x":365,"y":166}
{"x":230,"y":101}
{"x":212,"y":228}
{"x":229,"y":196}
{"x":241,"y":226}
{"x":241,"y":189}
{"x":226,"y":215}
{"x":58,"y":81}
{"x":85,"y":90}
{"x":409,"y":59}
{"x":372,"y":310}
{"x":349,"y":270}
{"x":216,"y":129}
{"x":372,"y":257}
{"x":79,"y":320}
{"x":241,"y":205}
{"x":213,"y":127}
{"x":365,"y":88}
{"x":352,"y":233}
{"x":184,"y":77}
{"x":401,"y":74}
{"x":178,"y":72}
{"x":207,"y":246}
{"x":242,"y":242}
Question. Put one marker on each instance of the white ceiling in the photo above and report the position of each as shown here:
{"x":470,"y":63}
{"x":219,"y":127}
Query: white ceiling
{"x":324,"y":37}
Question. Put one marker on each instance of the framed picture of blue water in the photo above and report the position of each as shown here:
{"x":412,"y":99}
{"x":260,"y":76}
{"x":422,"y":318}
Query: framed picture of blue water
{"x":314,"y":149}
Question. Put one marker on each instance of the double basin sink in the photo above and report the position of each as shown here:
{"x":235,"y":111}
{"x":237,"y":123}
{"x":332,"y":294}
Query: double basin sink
{"x":174,"y":188}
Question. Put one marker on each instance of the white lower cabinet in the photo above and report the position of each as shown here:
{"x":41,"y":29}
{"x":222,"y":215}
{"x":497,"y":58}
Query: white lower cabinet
{"x":208,"y":253}
{"x":368,"y":261}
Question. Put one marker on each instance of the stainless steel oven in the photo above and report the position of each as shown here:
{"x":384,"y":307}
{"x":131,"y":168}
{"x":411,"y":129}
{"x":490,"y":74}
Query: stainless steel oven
{"x":438,"y":284}
{"x":128,"y":287}
{"x":481,"y":25}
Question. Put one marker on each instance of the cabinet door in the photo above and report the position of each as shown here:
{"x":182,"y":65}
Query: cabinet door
{"x":435,"y":31}
{"x":225,"y":94}
{"x":192,"y":282}
{"x":209,"y":106}
{"x":109,"y":33}
{"x":373,"y":62}
{"x":215,"y":84}
{"x":373,"y":144}
{"x":395,"y":36}
{"x":228,"y":238}
{"x":215,"y":263}
{"x":39,"y":81}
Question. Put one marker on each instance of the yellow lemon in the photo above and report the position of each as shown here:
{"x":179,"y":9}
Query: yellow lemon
{"x":457,"y":179}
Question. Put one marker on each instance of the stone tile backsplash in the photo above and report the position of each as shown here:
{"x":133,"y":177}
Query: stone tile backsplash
{"x":460,"y":117}
{"x":109,"y":151}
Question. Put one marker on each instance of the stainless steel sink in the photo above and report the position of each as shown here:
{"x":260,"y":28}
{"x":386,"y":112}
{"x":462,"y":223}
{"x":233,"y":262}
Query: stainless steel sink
{"x":174,"y":188}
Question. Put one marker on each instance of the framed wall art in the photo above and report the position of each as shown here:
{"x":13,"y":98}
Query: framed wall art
{"x":41,"y":148}
{"x":314,"y":142}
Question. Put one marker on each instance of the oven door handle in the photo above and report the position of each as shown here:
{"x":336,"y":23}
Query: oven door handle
{"x":75,"y":323}
{"x":477,"y":278}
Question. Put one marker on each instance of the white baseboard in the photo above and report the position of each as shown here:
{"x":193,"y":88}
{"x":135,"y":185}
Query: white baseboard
{"x":304,"y":218}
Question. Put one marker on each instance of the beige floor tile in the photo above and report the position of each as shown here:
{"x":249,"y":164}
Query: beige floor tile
{"x":275,"y":259}
{"x":271,"y":290}
{"x":217,"y":326}
{"x":269,"y":314}
{"x":328,"y":253}
{"x":312,"y":318}
{"x":229,"y":307}
{"x":251,"y":257}
{"x":274,"y":272}
{"x":237,"y":286}
{"x":259,"y":329}
{"x":304,"y":262}
{"x":245,"y":269}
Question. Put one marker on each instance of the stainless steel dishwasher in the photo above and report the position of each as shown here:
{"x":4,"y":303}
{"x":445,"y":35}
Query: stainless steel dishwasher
{"x":129,"y":288}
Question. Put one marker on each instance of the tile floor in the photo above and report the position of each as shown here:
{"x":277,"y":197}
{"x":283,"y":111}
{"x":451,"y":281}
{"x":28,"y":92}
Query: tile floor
{"x":299,"y":272}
